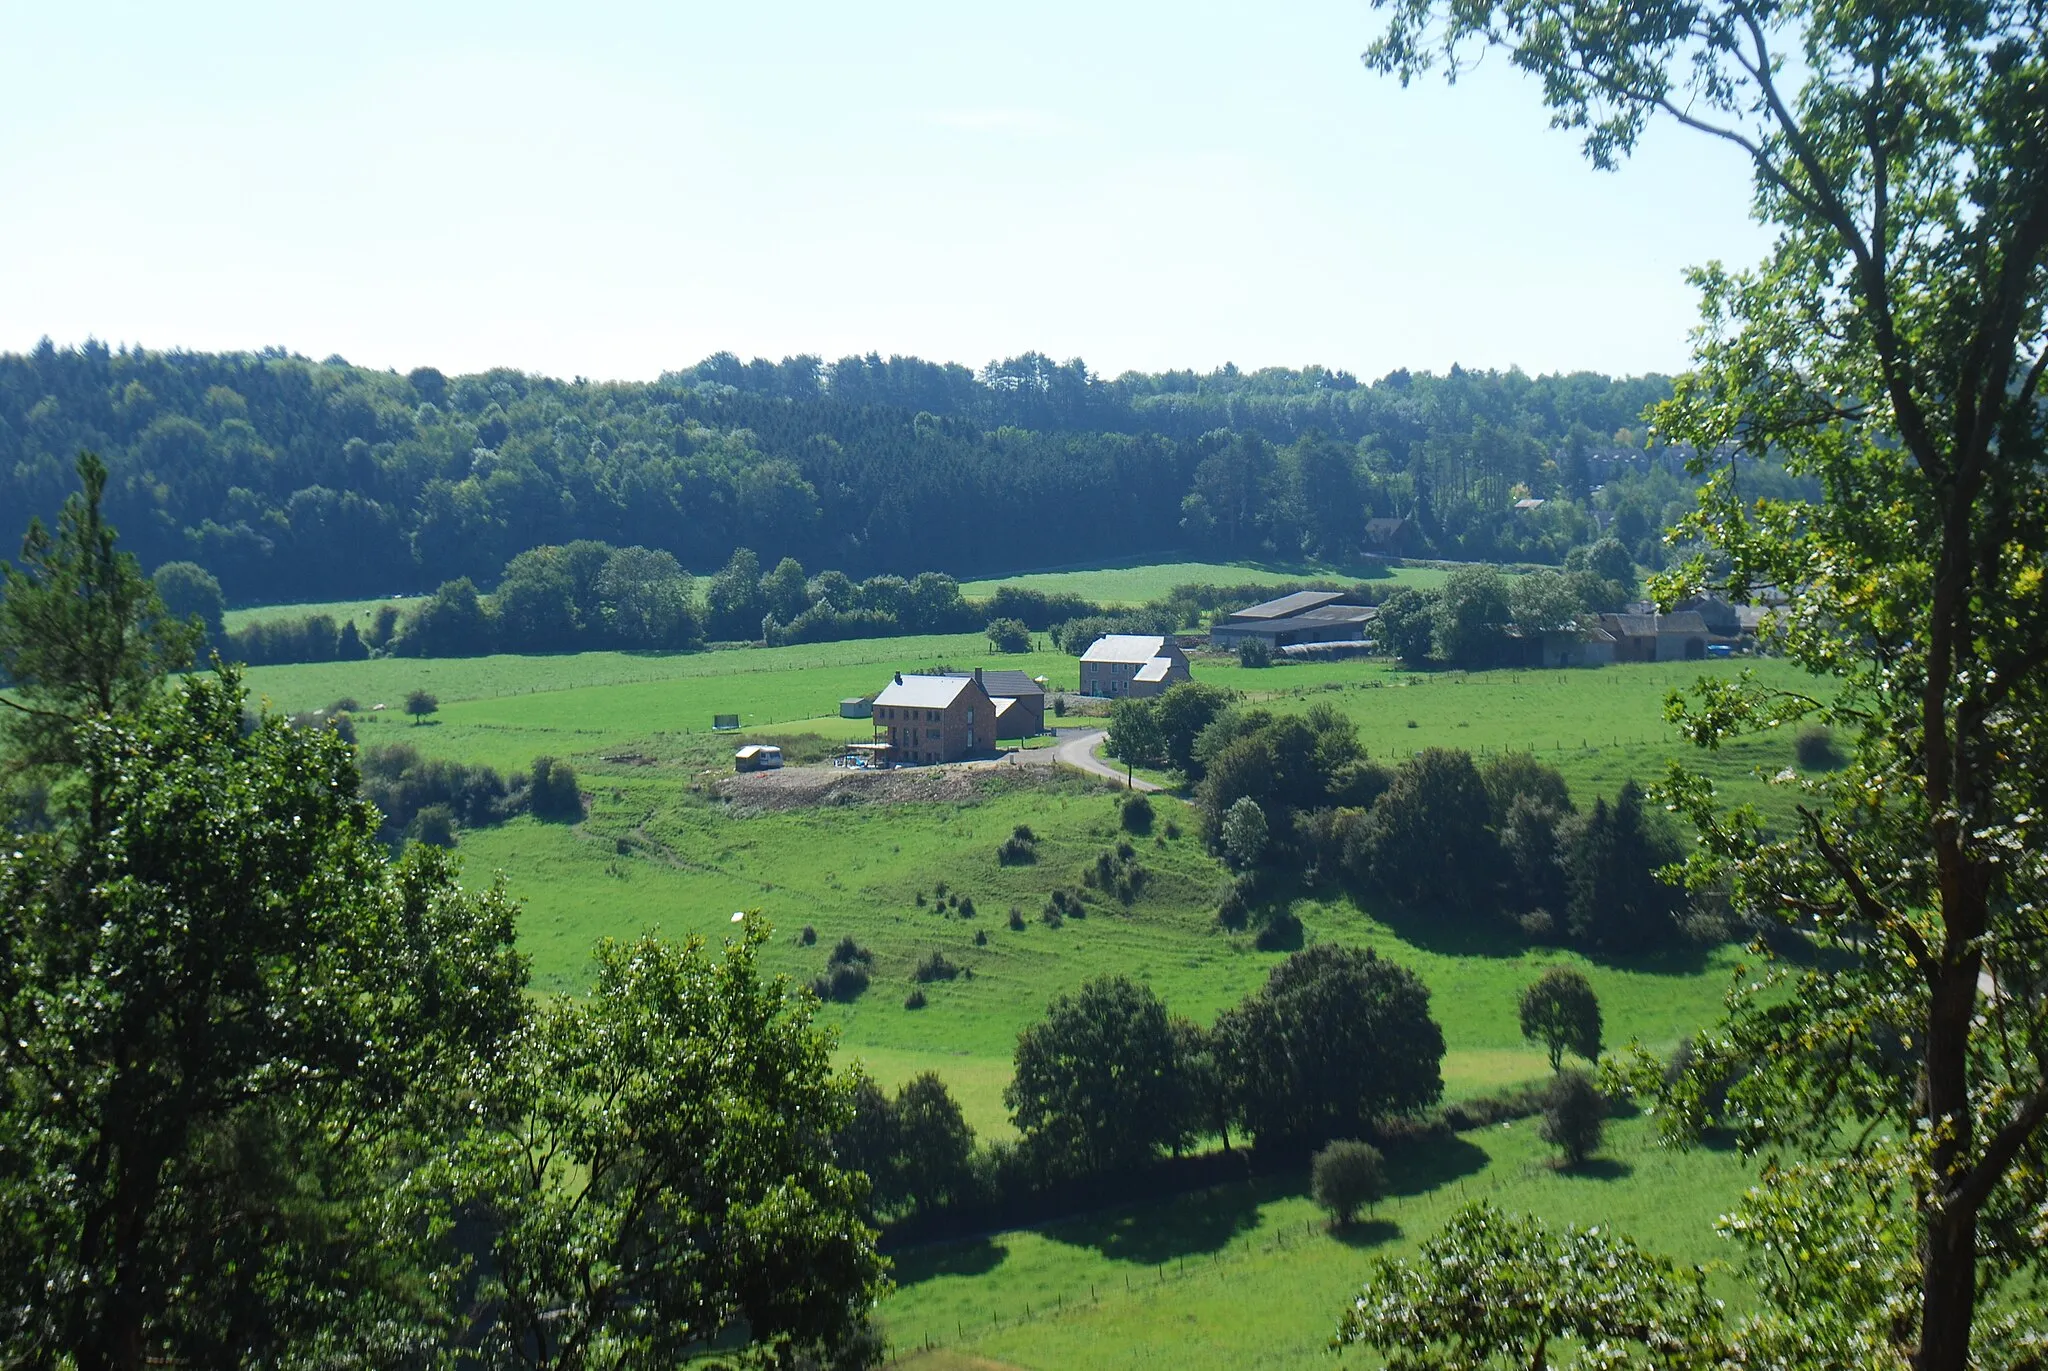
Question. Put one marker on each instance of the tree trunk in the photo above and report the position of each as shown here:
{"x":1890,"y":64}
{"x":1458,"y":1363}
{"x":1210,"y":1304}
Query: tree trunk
{"x":1948,"y":1248}
{"x":1948,"y":1292}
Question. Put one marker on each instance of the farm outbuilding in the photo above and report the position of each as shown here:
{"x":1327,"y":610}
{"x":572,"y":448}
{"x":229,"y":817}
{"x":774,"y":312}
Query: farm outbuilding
{"x":859,"y":707}
{"x":1019,"y":700}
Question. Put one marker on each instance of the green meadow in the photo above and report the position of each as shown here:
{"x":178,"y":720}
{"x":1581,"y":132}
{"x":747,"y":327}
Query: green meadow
{"x":1114,"y":584}
{"x":1248,"y":1275}
{"x":341,"y":611}
{"x":1240,"y":1276}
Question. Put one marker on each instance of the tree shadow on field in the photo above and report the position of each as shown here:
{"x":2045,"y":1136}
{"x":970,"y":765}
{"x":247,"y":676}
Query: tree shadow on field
{"x":1597,"y":1169}
{"x":975,"y":1257}
{"x":1367,"y":1233}
{"x":1152,"y":1234}
{"x":1416,"y":1168}
{"x":1689,"y":960}
{"x":1449,"y":934}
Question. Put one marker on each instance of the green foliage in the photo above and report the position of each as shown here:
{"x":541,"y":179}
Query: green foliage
{"x":1008,"y":635}
{"x":1494,"y":1286}
{"x":433,"y":825}
{"x":657,"y":1168}
{"x":1574,"y":1117}
{"x":1336,"y":1038}
{"x":916,"y":1149}
{"x":1429,"y":839}
{"x":421,"y":703}
{"x":1561,"y":1011}
{"x":83,"y":634}
{"x":1611,"y":856}
{"x":403,"y":785}
{"x":232,"y":1029}
{"x":552,"y":794}
{"x":1244,"y":833}
{"x":1346,"y":1176}
{"x":1134,"y":814}
{"x":1134,"y":734}
{"x":1816,"y":749}
{"x":188,"y":591}
{"x":1095,"y":1083}
{"x":1889,"y":353}
{"x":1471,"y":608}
{"x":1406,"y":627}
{"x":1254,"y":653}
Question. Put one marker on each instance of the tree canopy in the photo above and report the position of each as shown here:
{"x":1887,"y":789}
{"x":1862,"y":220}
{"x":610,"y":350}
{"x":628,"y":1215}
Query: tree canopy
{"x":1890,"y":353}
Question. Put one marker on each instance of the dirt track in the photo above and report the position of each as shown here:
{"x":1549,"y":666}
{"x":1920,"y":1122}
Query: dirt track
{"x":803,"y":787}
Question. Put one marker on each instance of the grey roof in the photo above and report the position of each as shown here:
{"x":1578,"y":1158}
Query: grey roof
{"x":1289,"y":605}
{"x":1630,"y":625}
{"x":923,"y":692}
{"x":1650,"y":625}
{"x":1684,"y":621}
{"x":1154,"y":670}
{"x":1135,"y":648}
{"x":1325,"y":617}
{"x":1015,"y":684}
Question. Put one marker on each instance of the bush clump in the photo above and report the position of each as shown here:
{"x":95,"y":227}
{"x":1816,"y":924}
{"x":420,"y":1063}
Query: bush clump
{"x":1574,"y":1117}
{"x":1135,"y":814}
{"x":846,"y":972}
{"x":1016,"y":918}
{"x":1816,"y":750}
{"x":1279,"y":933}
{"x":1346,"y":1176}
{"x":935,"y":967}
{"x":914,"y":1000}
{"x":808,"y":937}
{"x":1019,"y":849}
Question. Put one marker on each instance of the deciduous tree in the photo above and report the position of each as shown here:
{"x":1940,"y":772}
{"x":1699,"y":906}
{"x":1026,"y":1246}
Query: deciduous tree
{"x":1891,"y":351}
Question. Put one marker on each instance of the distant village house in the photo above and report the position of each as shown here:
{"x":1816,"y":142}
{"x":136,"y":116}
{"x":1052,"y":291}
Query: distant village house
{"x":935,"y":718}
{"x":1132,"y":666}
{"x":1019,"y":702}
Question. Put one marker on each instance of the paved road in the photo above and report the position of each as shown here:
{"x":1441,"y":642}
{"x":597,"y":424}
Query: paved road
{"x":1077,"y":750}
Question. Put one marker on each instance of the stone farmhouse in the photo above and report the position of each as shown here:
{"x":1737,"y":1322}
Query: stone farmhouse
{"x":1132,"y":666}
{"x":935,"y":718}
{"x":1677,"y":637}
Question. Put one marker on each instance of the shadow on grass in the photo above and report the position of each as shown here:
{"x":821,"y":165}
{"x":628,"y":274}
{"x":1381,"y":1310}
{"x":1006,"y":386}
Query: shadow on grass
{"x":1151,"y":1234}
{"x":975,"y":1257}
{"x":1429,"y":1164}
{"x":1597,"y":1169}
{"x":1369,"y":1233}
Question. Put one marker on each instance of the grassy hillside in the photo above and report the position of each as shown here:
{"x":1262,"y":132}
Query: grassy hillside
{"x":341,"y":611}
{"x":1113,"y":584}
{"x":1240,"y":1276}
{"x":1248,"y":1275}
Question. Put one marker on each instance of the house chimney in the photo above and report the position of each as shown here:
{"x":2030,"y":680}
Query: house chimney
{"x":977,"y":675}
{"x":899,"y":678}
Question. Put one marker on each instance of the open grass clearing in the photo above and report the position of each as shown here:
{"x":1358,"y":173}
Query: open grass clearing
{"x":1115,"y":583}
{"x":341,"y":611}
{"x":1248,"y":1275}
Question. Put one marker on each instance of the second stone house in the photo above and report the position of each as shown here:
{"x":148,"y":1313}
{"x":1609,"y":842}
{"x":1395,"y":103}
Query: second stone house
{"x":935,"y":718}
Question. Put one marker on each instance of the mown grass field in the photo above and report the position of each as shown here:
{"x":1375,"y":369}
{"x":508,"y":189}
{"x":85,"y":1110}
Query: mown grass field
{"x":1248,"y":1275}
{"x":1112,"y":584}
{"x":1263,"y":1282}
{"x":362,"y":611}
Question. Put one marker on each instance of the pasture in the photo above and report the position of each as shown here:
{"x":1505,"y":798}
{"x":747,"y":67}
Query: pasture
{"x":1123,"y":584}
{"x":1248,"y":1275}
{"x":1244,"y":1275}
{"x":341,"y":611}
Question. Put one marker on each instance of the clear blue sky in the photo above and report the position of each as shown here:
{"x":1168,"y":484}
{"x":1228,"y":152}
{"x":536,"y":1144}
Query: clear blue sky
{"x":617,"y":190}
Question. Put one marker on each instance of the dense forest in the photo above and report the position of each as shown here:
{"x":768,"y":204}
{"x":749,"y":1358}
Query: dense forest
{"x":290,"y":479}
